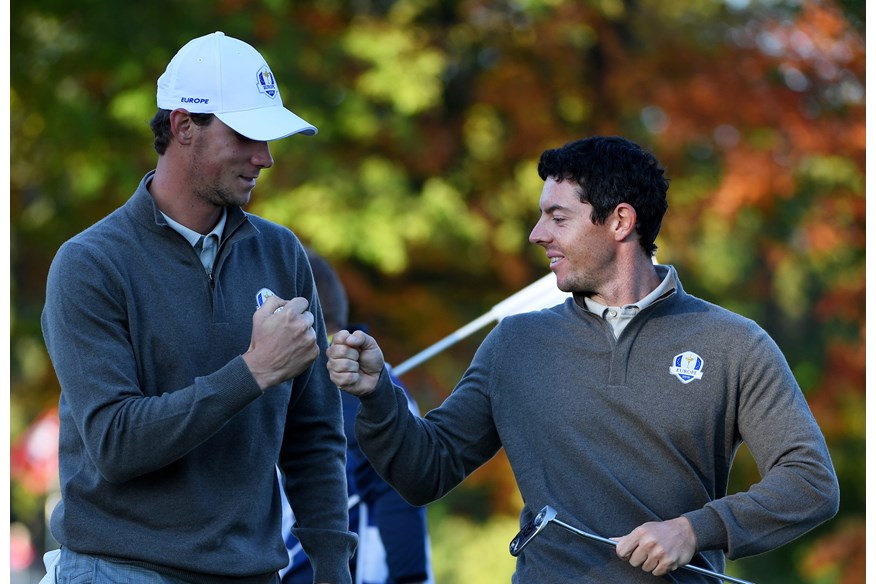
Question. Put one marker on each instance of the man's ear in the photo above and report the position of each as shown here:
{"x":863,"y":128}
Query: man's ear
{"x":181,"y":126}
{"x":623,"y":222}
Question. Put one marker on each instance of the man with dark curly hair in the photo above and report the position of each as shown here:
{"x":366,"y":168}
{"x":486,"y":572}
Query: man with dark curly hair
{"x":621,"y":408}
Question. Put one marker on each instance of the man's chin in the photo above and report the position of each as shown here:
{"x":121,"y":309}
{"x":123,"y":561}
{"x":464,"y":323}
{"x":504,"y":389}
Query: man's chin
{"x":564,"y":285}
{"x":572,"y":288}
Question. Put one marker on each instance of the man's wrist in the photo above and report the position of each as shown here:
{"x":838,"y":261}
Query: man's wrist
{"x":263,"y":378}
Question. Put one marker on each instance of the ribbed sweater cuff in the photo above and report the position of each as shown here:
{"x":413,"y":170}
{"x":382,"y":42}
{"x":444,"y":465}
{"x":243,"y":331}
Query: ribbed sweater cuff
{"x":381,"y":400}
{"x":235,"y":385}
{"x":709,"y":529}
{"x":329,"y":553}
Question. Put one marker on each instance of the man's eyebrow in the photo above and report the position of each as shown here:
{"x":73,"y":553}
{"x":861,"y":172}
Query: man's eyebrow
{"x":554,"y":208}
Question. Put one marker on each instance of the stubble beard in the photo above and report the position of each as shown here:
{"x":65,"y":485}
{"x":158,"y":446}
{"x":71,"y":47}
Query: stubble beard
{"x":218,"y":196}
{"x":587,"y":282}
{"x":576,"y":285}
{"x":213,"y":193}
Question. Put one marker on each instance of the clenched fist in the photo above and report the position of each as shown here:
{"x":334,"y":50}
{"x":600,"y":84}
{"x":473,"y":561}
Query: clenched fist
{"x":658,"y":547}
{"x":355,"y":362}
{"x":283,"y":341}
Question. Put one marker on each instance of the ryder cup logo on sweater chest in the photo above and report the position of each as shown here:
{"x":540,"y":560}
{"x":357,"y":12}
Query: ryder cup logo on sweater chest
{"x":687,"y":366}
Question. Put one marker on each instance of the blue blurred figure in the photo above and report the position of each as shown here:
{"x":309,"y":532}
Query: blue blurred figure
{"x":393,"y":538}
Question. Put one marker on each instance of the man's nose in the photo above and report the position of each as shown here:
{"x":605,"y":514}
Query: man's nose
{"x":262,"y":155}
{"x":537,"y":236}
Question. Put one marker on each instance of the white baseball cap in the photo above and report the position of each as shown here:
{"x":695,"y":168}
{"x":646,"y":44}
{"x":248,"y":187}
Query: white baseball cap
{"x":220,"y":75}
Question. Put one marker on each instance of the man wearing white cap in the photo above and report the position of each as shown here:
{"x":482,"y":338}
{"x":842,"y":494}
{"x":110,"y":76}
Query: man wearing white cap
{"x":178,"y":401}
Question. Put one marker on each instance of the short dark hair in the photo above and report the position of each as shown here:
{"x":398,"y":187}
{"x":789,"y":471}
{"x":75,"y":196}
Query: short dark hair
{"x":331,"y":292}
{"x":160,"y":125}
{"x":611,"y":170}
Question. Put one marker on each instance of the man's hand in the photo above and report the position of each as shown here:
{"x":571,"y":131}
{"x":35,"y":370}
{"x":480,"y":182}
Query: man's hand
{"x":355,"y":362}
{"x":283,"y":341}
{"x":658,"y":547}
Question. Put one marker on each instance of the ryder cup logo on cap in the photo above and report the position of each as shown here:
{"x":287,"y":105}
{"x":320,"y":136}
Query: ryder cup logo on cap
{"x":220,"y":75}
{"x":687,"y":366}
{"x":266,"y":82}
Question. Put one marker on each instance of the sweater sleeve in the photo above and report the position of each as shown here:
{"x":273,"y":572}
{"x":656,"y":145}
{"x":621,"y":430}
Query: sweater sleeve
{"x":402,"y":526}
{"x":313,"y":463}
{"x":425,"y":458}
{"x":88,"y":336}
{"x":798,"y":488}
{"x":313,"y":457}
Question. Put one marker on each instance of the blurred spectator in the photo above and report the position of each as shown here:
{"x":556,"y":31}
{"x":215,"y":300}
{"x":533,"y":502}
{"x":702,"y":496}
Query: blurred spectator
{"x":393,"y":539}
{"x":34,"y":455}
{"x":21,"y":552}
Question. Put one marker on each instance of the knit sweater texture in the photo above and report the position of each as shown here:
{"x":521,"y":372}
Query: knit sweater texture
{"x":168,"y":447}
{"x":613,"y":433}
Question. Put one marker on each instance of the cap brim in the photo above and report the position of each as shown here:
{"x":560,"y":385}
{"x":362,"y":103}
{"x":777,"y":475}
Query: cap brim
{"x":266,"y":123}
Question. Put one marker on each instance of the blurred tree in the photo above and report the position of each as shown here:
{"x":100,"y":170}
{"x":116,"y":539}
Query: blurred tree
{"x":421,"y":183}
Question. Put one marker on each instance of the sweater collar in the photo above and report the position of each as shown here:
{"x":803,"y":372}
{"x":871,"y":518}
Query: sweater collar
{"x":669,"y":284}
{"x":142,"y":207}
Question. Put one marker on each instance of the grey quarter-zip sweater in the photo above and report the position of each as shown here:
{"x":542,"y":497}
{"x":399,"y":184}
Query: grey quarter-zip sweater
{"x":168,"y":448}
{"x":613,"y":433}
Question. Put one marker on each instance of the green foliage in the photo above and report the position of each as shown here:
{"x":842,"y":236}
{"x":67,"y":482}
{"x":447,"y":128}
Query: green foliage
{"x":471,"y":552}
{"x":421,"y":187}
{"x":403,"y":70}
{"x":382,"y":219}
